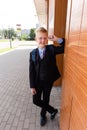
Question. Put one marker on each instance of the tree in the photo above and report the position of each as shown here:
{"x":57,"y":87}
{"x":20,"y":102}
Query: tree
{"x":5,"y":33}
{"x":9,"y":33}
{"x":0,"y":34}
{"x":24,"y":37}
{"x":32,"y":34}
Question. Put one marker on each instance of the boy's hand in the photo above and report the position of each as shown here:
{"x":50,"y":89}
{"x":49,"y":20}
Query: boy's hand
{"x":53,"y":38}
{"x":33,"y":91}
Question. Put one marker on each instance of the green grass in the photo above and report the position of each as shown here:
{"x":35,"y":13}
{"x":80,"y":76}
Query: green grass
{"x":5,"y":50}
{"x":4,"y":40}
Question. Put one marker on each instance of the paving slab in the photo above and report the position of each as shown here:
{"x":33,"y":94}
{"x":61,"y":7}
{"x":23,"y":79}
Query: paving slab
{"x":16,"y":109}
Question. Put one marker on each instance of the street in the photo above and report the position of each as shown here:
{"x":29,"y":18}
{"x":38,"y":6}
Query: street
{"x":16,"y":44}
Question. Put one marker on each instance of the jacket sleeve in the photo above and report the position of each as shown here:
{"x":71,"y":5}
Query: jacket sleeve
{"x":32,"y":72}
{"x":59,"y":49}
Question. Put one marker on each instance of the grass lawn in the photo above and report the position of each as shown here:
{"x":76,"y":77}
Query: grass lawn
{"x":5,"y":50}
{"x":4,"y":40}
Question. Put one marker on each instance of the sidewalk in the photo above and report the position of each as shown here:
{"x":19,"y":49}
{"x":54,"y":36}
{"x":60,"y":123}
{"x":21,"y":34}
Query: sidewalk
{"x":16,"y":109}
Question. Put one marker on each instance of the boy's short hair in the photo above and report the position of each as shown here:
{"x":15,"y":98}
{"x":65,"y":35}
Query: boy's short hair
{"x":41,"y":29}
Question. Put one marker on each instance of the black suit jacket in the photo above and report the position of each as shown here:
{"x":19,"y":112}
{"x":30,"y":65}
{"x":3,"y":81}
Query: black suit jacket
{"x":50,"y":57}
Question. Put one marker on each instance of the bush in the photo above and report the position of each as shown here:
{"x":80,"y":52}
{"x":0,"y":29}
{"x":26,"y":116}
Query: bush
{"x":32,"y":34}
{"x":25,"y":37}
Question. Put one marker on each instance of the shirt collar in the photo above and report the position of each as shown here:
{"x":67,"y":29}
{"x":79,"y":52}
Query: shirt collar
{"x":42,"y":49}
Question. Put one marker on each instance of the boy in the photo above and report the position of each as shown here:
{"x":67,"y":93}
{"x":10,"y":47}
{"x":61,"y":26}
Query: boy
{"x":43,"y":72}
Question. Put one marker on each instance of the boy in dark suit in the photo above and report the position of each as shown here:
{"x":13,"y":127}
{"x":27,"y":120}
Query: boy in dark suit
{"x":43,"y":71}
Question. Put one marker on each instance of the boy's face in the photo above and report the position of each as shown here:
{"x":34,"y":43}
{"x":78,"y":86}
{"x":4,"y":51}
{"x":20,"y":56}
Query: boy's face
{"x":42,"y":39}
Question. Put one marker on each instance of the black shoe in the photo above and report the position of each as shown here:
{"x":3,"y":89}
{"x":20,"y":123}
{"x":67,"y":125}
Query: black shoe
{"x":54,"y":114}
{"x":43,"y":121}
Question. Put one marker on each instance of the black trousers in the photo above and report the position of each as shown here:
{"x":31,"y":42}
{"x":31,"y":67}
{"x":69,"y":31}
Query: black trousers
{"x":42,"y":97}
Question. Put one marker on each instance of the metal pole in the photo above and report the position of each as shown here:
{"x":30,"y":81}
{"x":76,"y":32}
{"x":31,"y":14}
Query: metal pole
{"x":10,"y":38}
{"x":10,"y":44}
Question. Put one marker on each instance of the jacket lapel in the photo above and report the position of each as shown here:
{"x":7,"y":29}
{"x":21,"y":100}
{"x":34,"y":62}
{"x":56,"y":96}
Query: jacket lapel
{"x":37,"y":65}
{"x":37,"y":55}
{"x":47,"y":54}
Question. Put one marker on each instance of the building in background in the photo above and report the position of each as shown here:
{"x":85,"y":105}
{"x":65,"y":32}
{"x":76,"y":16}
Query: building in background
{"x":25,"y":31}
{"x":68,"y":18}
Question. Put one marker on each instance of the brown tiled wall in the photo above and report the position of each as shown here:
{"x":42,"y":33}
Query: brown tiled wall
{"x":74,"y":84}
{"x":56,"y":25}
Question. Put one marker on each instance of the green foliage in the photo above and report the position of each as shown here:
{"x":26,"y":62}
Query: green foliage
{"x":32,"y":34}
{"x":11,"y":33}
{"x":0,"y":32}
{"x":19,"y":38}
{"x":8,"y":33}
{"x":24,"y":37}
{"x":27,"y":37}
{"x":5,"y":50}
{"x":5,"y":33}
